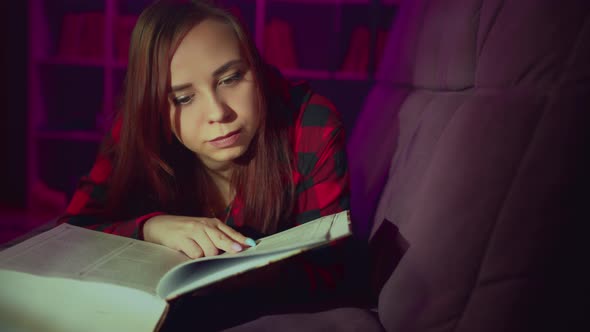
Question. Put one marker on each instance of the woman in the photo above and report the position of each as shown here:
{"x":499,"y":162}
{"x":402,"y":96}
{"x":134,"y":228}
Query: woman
{"x":211,"y":147}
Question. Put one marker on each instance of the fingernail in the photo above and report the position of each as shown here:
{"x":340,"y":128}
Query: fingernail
{"x":236,"y":247}
{"x":250,"y":242}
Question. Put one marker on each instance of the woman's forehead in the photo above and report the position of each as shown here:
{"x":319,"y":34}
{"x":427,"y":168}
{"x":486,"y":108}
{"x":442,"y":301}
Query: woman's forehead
{"x":208,"y":45}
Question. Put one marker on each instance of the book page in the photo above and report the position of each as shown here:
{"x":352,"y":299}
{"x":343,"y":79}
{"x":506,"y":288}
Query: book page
{"x":73,"y":252}
{"x":196,"y":273}
{"x":189,"y":277}
{"x":34,"y":303}
{"x":316,"y":231}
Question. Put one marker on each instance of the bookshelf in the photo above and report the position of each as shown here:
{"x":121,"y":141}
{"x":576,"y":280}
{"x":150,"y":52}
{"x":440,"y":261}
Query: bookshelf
{"x":74,"y":85}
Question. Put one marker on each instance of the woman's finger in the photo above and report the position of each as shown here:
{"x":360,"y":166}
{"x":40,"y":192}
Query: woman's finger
{"x":203,"y":240}
{"x":222,"y":241}
{"x":233,"y":234}
{"x":191,"y":248}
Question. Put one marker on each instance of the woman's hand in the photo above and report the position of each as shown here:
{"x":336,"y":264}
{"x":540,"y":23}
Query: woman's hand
{"x":196,"y":237}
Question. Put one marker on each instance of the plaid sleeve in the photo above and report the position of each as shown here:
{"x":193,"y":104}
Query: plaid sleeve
{"x":321,"y":174}
{"x":87,"y":206}
{"x":322,"y":188}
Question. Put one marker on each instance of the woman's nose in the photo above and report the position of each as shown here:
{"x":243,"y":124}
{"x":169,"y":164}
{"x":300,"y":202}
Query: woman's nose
{"x":217,"y":109}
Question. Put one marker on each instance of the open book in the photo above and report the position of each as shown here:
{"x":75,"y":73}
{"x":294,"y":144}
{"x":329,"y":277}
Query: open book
{"x":74,"y":279}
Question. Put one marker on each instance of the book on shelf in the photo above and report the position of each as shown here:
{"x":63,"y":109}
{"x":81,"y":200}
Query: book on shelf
{"x":123,"y":29}
{"x":356,"y":59}
{"x":279,"y":44}
{"x":70,"y":37}
{"x":82,"y":36}
{"x":75,"y":279}
{"x":357,"y":56}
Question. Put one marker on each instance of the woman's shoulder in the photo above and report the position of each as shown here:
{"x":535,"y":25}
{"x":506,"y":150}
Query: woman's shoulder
{"x":311,"y":109}
{"x":303,"y":104}
{"x":315,"y":121}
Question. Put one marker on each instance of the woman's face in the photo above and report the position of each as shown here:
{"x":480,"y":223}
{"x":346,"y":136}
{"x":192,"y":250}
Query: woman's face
{"x":213,"y":103}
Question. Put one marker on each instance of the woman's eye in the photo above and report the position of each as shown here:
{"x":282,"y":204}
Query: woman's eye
{"x":232,"y":79}
{"x":183,"y":100}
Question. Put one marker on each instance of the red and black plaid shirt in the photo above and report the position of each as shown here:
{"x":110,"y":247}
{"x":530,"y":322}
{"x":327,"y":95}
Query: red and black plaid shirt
{"x":320,"y":176}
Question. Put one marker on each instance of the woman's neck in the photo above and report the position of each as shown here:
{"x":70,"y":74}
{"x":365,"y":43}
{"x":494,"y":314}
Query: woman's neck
{"x":222,"y":180}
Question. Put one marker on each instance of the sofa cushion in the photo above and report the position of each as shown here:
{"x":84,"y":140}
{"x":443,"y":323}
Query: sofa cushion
{"x":486,"y":171}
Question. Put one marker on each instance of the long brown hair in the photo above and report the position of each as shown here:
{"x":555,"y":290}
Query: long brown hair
{"x":149,"y":161}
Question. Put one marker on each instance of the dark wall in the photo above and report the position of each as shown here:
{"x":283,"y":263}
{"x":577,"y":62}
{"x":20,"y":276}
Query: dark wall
{"x":13,"y":102}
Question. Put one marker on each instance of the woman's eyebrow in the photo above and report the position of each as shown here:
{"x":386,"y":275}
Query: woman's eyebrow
{"x":181,"y":87}
{"x":225,"y":67}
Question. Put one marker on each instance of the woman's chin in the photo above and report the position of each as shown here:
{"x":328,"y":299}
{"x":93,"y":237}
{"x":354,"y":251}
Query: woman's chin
{"x":223,"y":157}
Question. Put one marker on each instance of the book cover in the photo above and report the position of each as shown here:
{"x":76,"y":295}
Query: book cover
{"x":63,"y":278}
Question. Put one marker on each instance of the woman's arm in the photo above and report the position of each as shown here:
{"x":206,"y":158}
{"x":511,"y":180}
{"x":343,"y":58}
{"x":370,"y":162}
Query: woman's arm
{"x":194,"y":236}
{"x":87,"y":208}
{"x":322,"y":184}
{"x":322,"y":188}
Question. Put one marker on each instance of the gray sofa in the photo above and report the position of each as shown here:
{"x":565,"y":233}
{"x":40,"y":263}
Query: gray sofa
{"x":469,"y":167}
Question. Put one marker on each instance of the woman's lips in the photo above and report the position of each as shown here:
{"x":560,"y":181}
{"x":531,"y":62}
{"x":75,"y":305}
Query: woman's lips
{"x":226,"y":140}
